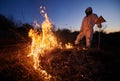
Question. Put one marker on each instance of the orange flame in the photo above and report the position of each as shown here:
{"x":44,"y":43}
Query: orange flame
{"x":68,"y":45}
{"x":43,"y":42}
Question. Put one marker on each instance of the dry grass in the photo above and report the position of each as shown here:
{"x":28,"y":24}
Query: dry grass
{"x":16,"y":66}
{"x":63,"y":65}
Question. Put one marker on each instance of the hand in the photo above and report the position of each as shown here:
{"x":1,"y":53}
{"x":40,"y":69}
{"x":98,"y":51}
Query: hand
{"x":76,"y":42}
{"x":99,"y":26}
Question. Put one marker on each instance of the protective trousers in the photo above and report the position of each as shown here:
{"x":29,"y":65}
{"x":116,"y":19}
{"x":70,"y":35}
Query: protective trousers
{"x":88,"y":36}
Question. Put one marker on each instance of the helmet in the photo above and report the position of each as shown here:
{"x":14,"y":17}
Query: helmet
{"x":88,"y":11}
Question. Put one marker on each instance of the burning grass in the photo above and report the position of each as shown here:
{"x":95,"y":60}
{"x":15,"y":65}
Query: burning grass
{"x":16,"y":66}
{"x":62,"y":65}
{"x":46,"y":59}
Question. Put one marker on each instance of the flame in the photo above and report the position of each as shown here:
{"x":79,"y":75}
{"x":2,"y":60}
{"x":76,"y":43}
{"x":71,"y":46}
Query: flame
{"x":44,"y":42}
{"x":68,"y":45}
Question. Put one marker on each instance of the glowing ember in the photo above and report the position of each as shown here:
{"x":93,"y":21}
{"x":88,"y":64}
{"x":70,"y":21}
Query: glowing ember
{"x":43,"y":42}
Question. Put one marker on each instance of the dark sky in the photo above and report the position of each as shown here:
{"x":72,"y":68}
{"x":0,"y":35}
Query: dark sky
{"x":64,"y":13}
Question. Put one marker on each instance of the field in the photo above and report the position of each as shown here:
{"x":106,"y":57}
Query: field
{"x":75,"y":64}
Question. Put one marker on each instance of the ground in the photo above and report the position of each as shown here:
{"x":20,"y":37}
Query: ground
{"x":76,"y":64}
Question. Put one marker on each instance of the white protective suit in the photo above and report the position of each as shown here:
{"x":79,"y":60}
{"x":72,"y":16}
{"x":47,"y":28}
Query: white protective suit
{"x":87,"y":28}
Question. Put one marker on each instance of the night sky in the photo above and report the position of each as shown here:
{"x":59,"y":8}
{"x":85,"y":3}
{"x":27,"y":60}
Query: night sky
{"x":64,"y":13}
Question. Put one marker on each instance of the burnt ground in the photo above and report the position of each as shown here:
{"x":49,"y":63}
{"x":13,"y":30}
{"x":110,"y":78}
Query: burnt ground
{"x":75,"y":64}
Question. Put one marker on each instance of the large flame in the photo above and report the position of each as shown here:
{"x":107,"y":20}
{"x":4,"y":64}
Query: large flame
{"x":43,"y":42}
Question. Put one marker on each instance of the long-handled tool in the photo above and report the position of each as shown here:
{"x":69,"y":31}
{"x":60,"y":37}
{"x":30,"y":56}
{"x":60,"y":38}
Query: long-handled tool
{"x":100,"y":21}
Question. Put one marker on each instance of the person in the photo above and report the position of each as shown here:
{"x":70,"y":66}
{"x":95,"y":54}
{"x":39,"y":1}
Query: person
{"x":87,"y":27}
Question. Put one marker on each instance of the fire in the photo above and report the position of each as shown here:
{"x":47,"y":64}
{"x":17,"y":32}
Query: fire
{"x":68,"y":45}
{"x":43,"y":42}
